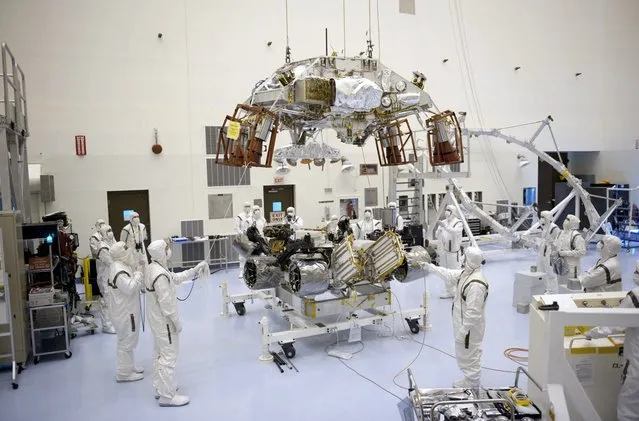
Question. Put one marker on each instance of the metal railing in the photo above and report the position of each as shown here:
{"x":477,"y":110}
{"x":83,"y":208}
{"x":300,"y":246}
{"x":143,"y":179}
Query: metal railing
{"x":14,"y":93}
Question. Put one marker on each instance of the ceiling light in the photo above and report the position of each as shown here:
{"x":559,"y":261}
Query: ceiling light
{"x":523,"y":161}
{"x":347,"y":165}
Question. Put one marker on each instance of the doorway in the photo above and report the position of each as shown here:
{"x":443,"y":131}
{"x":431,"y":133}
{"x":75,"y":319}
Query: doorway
{"x":121,"y":203}
{"x":276,"y":200}
{"x":547,"y":177}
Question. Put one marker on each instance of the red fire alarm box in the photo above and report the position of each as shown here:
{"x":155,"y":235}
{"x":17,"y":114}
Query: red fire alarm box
{"x":80,"y":145}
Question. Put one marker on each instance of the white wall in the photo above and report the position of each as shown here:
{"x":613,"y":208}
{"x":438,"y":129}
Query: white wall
{"x":97,"y":68}
{"x":619,"y":167}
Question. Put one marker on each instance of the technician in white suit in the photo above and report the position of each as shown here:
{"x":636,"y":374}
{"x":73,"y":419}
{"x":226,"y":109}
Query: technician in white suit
{"x":258,"y":219}
{"x":605,"y":275}
{"x":243,"y":221}
{"x":296,"y":222}
{"x":449,"y":233}
{"x":367,"y":225}
{"x":162,"y":313}
{"x":103,"y":264}
{"x":571,"y":247}
{"x":134,"y":235}
{"x":125,"y":286}
{"x":628,"y":402}
{"x":398,"y":220}
{"x":549,"y":233}
{"x":96,"y":238}
{"x":468,"y":313}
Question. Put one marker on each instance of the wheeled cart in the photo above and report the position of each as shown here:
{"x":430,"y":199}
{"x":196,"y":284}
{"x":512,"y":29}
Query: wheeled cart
{"x":49,"y":331}
{"x":364,"y":305}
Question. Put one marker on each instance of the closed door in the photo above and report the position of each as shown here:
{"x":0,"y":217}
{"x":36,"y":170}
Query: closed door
{"x":277,"y":199}
{"x":121,"y":203}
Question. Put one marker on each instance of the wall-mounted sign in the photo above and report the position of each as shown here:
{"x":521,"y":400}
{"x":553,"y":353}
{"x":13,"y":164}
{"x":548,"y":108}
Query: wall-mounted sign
{"x":277,"y":217}
{"x":367,"y":169}
{"x":80,"y":145}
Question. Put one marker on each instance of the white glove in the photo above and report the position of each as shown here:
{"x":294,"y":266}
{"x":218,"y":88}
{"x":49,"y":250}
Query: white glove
{"x":595,"y":333}
{"x":202,"y":269}
{"x":177,"y":325}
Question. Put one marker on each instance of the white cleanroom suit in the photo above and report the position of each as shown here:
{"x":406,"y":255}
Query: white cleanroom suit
{"x":367,"y":225}
{"x":96,"y":238}
{"x":134,"y":235}
{"x":549,"y":233}
{"x":468,"y":313}
{"x":125,"y":286}
{"x":243,"y":221}
{"x":296,"y":222}
{"x":103,"y":263}
{"x":331,"y":225}
{"x":449,"y":233}
{"x":163,"y":317}
{"x":628,"y":401}
{"x":605,"y":275}
{"x":399,"y":220}
{"x":571,"y":247}
{"x":258,"y":219}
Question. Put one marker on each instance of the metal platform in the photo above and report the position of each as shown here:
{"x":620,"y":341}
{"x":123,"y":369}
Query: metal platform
{"x":329,"y":313}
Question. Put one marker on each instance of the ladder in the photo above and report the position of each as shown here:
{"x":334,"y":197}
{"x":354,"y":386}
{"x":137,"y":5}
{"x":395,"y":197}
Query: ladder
{"x":15,"y":369}
{"x":407,"y":189}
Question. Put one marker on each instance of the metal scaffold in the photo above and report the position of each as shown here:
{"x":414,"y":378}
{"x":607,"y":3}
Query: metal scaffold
{"x":14,"y":131}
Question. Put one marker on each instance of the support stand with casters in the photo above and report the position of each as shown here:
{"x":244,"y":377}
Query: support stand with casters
{"x":288,"y":348}
{"x":413,"y":325}
{"x":366,"y":306}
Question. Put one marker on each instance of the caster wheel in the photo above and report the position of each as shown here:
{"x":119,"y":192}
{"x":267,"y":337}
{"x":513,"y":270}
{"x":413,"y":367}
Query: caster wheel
{"x":36,"y":360}
{"x":68,"y":355}
{"x":20,"y":368}
{"x":14,"y":386}
{"x":289,"y":351}
{"x":240,"y":309}
{"x":87,"y":308}
{"x":92,"y":331}
{"x":413,"y":325}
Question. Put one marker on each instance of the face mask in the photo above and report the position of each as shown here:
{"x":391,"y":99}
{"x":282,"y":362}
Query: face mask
{"x":448,"y":214}
{"x":367,"y":215}
{"x":256,"y":214}
{"x":247,"y":210}
{"x":136,"y":220}
{"x":169,"y":253}
{"x":110,"y":235}
{"x":290,"y":215}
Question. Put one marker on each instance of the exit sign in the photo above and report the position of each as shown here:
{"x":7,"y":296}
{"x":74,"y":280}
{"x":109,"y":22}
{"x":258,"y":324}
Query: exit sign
{"x":278,"y":180}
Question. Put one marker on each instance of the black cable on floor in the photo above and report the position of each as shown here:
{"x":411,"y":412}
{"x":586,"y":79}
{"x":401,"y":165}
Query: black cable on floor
{"x":372,"y":381}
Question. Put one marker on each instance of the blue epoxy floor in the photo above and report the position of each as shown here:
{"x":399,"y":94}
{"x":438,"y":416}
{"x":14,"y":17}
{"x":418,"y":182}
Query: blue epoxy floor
{"x":219,"y":368}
